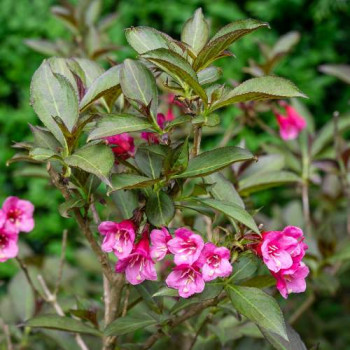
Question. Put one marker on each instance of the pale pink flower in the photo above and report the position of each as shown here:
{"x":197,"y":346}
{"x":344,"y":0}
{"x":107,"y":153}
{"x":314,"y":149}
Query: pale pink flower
{"x":290,"y":124}
{"x":292,"y":280}
{"x":159,"y":240}
{"x":8,"y":244}
{"x":138,"y":266}
{"x":282,"y":249}
{"x":187,"y":279}
{"x":122,"y":145}
{"x":119,"y":237}
{"x":17,"y":215}
{"x":186,"y":246}
{"x":214,"y":262}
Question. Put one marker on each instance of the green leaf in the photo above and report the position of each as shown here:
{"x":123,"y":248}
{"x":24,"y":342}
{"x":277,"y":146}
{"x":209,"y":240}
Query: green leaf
{"x":128,"y":181}
{"x":69,"y":205}
{"x":284,"y":44}
{"x":160,"y":209}
{"x":223,"y":39}
{"x":178,"y":121}
{"x":149,"y":163}
{"x":245,"y":267}
{"x":340,"y":71}
{"x":215,"y":160}
{"x":177,"y":67}
{"x":126,"y":201}
{"x":44,"y":138}
{"x":45,"y":95}
{"x":222,"y":189}
{"x":129,"y":324}
{"x":146,"y":290}
{"x":45,"y":47}
{"x":96,"y":159}
{"x":113,"y":124}
{"x":66,"y":324}
{"x":263,"y":180}
{"x":279,"y":343}
{"x":143,"y":39}
{"x":177,"y":159}
{"x":166,"y":292}
{"x":196,"y":31}
{"x":89,"y":70}
{"x":106,"y":84}
{"x":67,"y":103}
{"x":257,"y":89}
{"x":342,"y":255}
{"x":234,"y":211}
{"x":259,"y":307}
{"x":41,"y":154}
{"x":139,"y":86}
{"x":209,"y":75}
{"x":261,"y":282}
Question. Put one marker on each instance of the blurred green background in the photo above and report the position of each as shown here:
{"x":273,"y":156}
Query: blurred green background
{"x":324,"y":26}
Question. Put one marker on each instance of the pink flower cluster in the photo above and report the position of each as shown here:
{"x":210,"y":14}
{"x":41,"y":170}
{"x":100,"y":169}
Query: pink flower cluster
{"x":290,"y":124}
{"x":122,"y":146}
{"x":16,"y":215}
{"x":196,"y":262}
{"x":282,"y":252}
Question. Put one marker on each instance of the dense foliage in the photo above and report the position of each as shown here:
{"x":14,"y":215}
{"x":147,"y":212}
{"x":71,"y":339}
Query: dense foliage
{"x":164,"y":173}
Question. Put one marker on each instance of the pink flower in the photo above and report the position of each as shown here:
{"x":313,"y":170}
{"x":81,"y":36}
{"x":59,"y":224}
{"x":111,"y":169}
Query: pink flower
{"x":122,"y":145}
{"x":173,"y":101}
{"x":159,"y":240}
{"x":8,"y":244}
{"x":186,"y":246}
{"x":138,"y":266}
{"x":282,"y":249}
{"x":187,"y":279}
{"x":291,"y":124}
{"x":16,"y":215}
{"x":292,"y":280}
{"x":119,"y":237}
{"x":214,"y":262}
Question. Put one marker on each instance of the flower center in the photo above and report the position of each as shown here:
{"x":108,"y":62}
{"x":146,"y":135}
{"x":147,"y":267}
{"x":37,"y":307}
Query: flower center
{"x":140,"y":261}
{"x":273,"y":250}
{"x":214,"y":261}
{"x":123,"y":237}
{"x":189,"y":276}
{"x":188,"y":247}
{"x":14,"y":215}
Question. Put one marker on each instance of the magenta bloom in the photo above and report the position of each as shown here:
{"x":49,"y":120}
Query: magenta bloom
{"x":8,"y":244}
{"x":122,"y":145}
{"x":186,"y":246}
{"x":17,"y":215}
{"x":119,"y":237}
{"x":138,"y":266}
{"x":187,"y":279}
{"x":282,"y":249}
{"x":159,"y":240}
{"x":290,"y":124}
{"x":292,"y":280}
{"x":214,"y":262}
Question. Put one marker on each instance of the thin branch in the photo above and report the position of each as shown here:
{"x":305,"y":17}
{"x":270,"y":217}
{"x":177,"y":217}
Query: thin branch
{"x":197,"y":137}
{"x":24,"y":268}
{"x":51,"y":298}
{"x":6,"y":330}
{"x":62,"y":258}
{"x":205,"y":321}
{"x":176,"y":320}
{"x":126,"y":301}
{"x":84,"y":226}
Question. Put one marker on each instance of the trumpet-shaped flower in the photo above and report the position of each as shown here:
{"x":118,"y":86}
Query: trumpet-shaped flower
{"x":122,"y":145}
{"x":17,"y":215}
{"x":187,"y":279}
{"x":138,"y":266}
{"x":186,"y":246}
{"x":292,"y":280}
{"x":214,"y":262}
{"x":159,"y":240}
{"x":119,"y":237}
{"x":290,"y":124}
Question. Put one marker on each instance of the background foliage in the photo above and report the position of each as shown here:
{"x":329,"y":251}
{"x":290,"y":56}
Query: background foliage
{"x":325,"y":33}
